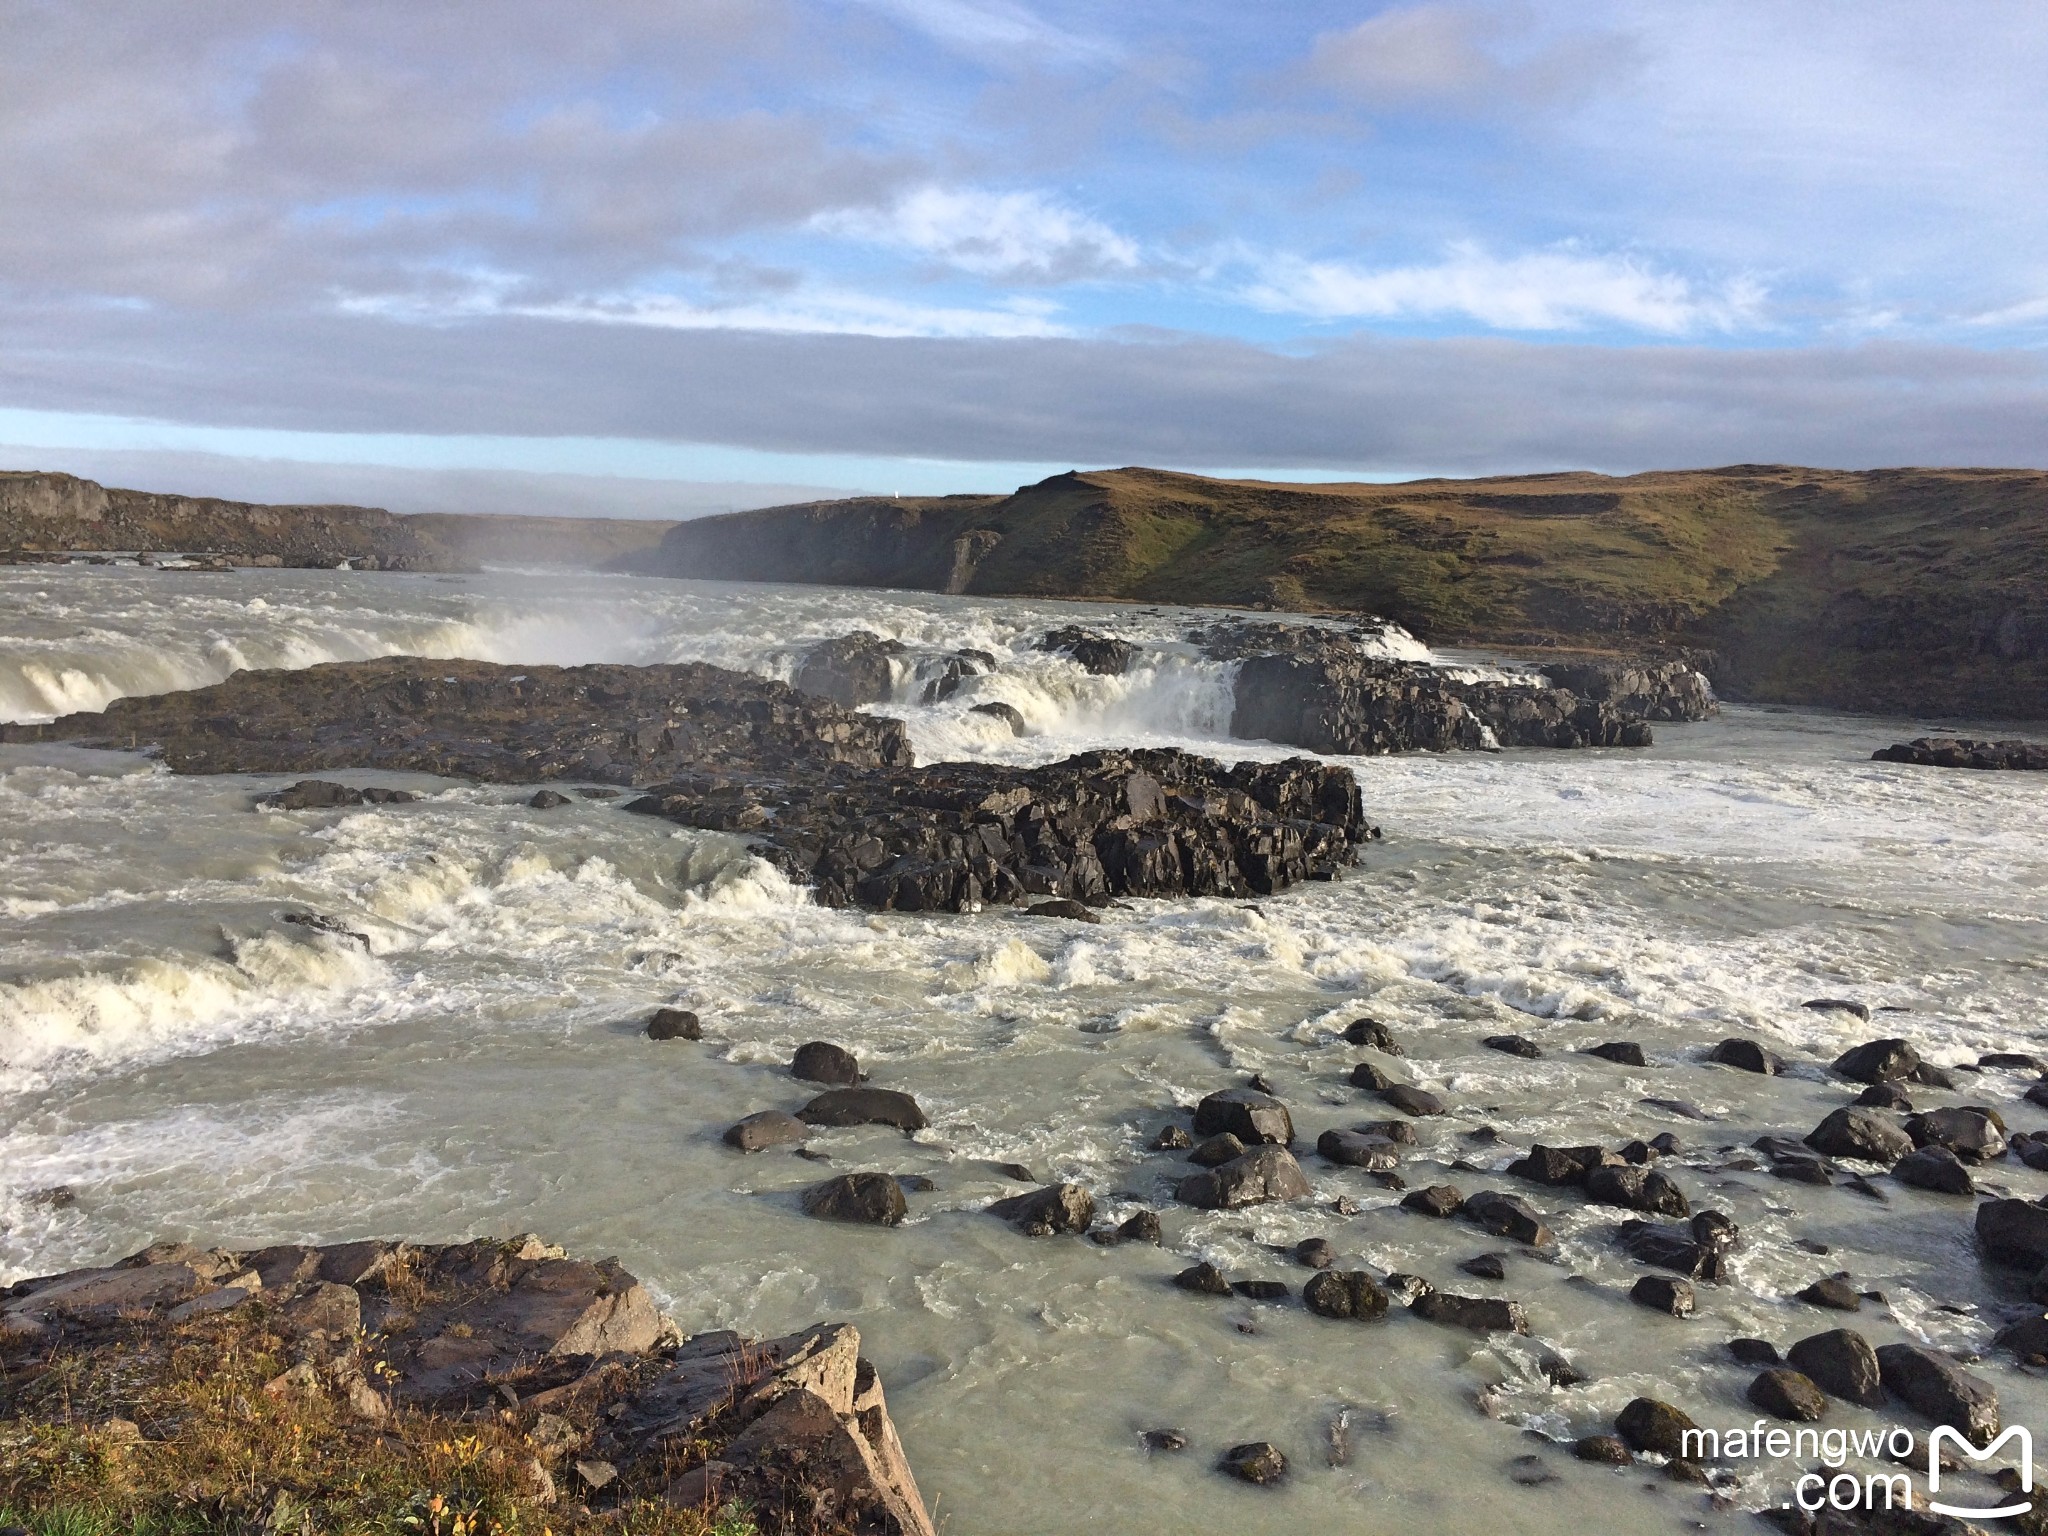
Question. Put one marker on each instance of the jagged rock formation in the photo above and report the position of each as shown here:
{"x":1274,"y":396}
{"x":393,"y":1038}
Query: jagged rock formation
{"x":1953,"y":752}
{"x":572,"y":1353}
{"x":956,"y":836}
{"x":480,"y":720}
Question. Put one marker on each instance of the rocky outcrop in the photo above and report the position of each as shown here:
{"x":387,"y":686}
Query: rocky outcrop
{"x":958,"y":836}
{"x":572,"y":1352}
{"x":1958,"y":752}
{"x":480,"y":720}
{"x":851,"y":670}
{"x":1103,"y":655}
{"x":1316,"y":688}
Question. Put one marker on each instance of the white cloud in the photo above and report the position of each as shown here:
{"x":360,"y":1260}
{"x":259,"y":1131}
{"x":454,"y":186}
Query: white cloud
{"x":997,"y":31}
{"x":1552,"y":290}
{"x":1465,"y":56}
{"x":1015,"y":236}
{"x":810,"y":312}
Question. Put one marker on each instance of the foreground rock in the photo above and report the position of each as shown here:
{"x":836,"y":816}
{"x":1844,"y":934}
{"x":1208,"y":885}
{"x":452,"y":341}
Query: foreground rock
{"x":1317,"y":688}
{"x":561,"y":1371}
{"x":1264,"y":1174}
{"x":1955,"y":752}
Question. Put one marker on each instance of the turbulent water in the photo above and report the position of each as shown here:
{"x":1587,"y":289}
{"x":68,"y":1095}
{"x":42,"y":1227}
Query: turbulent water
{"x":192,"y":1065}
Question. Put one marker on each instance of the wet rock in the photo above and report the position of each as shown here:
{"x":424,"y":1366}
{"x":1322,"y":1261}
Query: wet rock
{"x":1373,"y":1034}
{"x":1400,"y":1132}
{"x":1665,"y":1144}
{"x":1486,"y":1266}
{"x":1436,"y":1200}
{"x":1352,"y":1149}
{"x":874,"y":1199}
{"x":1530,"y":1472}
{"x":1795,"y":1160}
{"x":323,"y":795}
{"x":1406,"y":1290}
{"x":674,"y":1024}
{"x":1639,"y":1152}
{"x":1143,"y":1227}
{"x":1876,"y":1061}
{"x":1009,"y":714}
{"x":1838,"y":1005}
{"x":1834,"y":1292}
{"x":1411,"y":1100}
{"x":1252,"y":1117}
{"x":2037,"y":1095}
{"x":1954,"y":752}
{"x":1164,"y":1440}
{"x":2012,"y":1061}
{"x":1637,"y":1189}
{"x":1351,"y":1294}
{"x":1745,"y":1056}
{"x":1625,"y":1053}
{"x":1217,"y":1150}
{"x":1507,"y":1216}
{"x":916,"y":1183}
{"x":821,"y":1061}
{"x":2031,"y":1149}
{"x":1841,"y":1363}
{"x":864,"y":1106}
{"x":2027,"y":1339}
{"x":1369,"y":1077}
{"x":1044,"y":1212}
{"x":1261,"y":1290}
{"x":1934,"y":1168}
{"x":851,"y":670}
{"x":1266,"y":1173}
{"x":1258,"y":1462}
{"x":1671,"y":1247}
{"x":51,"y":1197}
{"x":1482,"y":1314}
{"x":1102,"y":655}
{"x":1661,"y":1293}
{"x":1974,"y":1133}
{"x":1204,"y":1280}
{"x":1315,"y":1253}
{"x":1558,"y":1166}
{"x":1649,"y":1425}
{"x":2014,"y":1232}
{"x":1173,"y":1138}
{"x":769,"y":1128}
{"x":547,"y":800}
{"x":1603,"y":1450}
{"x":1885,"y":1096}
{"x":1513,"y":1045}
{"x":1755,"y":1352}
{"x":1069,"y":911}
{"x":1562,"y":1373}
{"x":1684,"y":1108}
{"x":1016,"y":1171}
{"x":1859,"y":1133}
{"x":1934,"y":1386}
{"x":1928,"y":1075}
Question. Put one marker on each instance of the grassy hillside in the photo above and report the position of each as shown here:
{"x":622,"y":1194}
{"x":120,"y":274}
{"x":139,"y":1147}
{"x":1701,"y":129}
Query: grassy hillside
{"x":1912,"y":590}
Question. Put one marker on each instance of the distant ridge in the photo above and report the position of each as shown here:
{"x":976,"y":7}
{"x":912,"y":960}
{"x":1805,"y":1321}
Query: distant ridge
{"x":1918,"y":591}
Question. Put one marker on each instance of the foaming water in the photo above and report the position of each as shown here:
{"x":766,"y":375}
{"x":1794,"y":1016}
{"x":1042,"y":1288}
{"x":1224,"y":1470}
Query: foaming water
{"x":453,"y":1047}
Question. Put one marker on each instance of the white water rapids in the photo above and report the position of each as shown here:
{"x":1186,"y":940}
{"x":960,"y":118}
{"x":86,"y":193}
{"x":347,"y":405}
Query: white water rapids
{"x":191,"y":1065}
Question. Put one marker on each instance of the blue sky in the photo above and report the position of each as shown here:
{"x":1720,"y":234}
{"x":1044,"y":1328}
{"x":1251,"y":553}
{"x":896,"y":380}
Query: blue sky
{"x":919,"y":245}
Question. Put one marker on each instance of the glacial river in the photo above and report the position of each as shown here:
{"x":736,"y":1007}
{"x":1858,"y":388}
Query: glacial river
{"x":190,"y":1065}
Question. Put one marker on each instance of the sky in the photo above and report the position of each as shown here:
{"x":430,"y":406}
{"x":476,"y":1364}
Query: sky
{"x":663,"y":257}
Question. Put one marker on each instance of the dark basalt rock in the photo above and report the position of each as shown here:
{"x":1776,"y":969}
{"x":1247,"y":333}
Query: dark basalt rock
{"x":2014,"y":1232}
{"x":1204,"y":1280}
{"x":1165,"y":1440}
{"x":1937,"y":1169}
{"x":1794,"y":1160}
{"x":864,"y":1106}
{"x":1009,"y":714}
{"x":2031,"y":1149}
{"x":1411,"y":1100}
{"x":1315,"y":1253}
{"x":1103,"y":824}
{"x":1249,"y":1115}
{"x":1400,"y":1132}
{"x":1833,"y":1292}
{"x":320,"y":794}
{"x":1266,"y":1173}
{"x":1513,"y":1045}
{"x":1258,"y":1462}
{"x":769,"y":1128}
{"x":499,"y":724}
{"x":1369,"y":1077}
{"x":820,"y":1061}
{"x":1677,"y":1248}
{"x":1507,"y":1216}
{"x":1861,"y":1134}
{"x":1482,"y":1314}
{"x":1217,"y":1150}
{"x":2012,"y":1061}
{"x":1350,"y":1149}
{"x":1877,"y":1061}
{"x":1935,"y":1386}
{"x":1604,"y":1450}
{"x":1559,"y":1166}
{"x":1958,"y":752}
{"x":1486,"y":1266}
{"x":1842,"y":1363}
{"x":1349,"y":1294}
{"x":1103,"y":655}
{"x":1261,"y":1290}
{"x":1373,"y":1034}
{"x":1044,"y":1212}
{"x":1637,"y":1189}
{"x":850,"y":670}
{"x":547,"y":800}
{"x":1316,"y":688}
{"x":1437,"y":1200}
{"x":1838,"y":1005}
{"x":1745,"y":1056}
{"x":1061,"y":907}
{"x":1928,"y":1075}
{"x":1786,"y":1394}
{"x":2037,"y":1095}
{"x":1649,"y":1425}
{"x":674,"y":1024}
{"x":1661,"y":1293}
{"x":1972,"y":1132}
{"x":1144,"y":1227}
{"x":2027,"y":1339}
{"x":1885,"y":1096}
{"x":1755,"y":1352}
{"x":874,"y":1199}
{"x":1623,"y":1053}
{"x":1173,"y":1138}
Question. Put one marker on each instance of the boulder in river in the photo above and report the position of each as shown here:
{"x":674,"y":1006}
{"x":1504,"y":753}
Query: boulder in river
{"x":1623,"y":1053}
{"x":1560,"y":1166}
{"x":1745,"y":1056}
{"x":1204,"y":1280}
{"x":1961,"y":752}
{"x":1260,"y":1462}
{"x":674,"y":1024}
{"x":1935,"y":1386}
{"x":1507,"y":1216}
{"x":1264,"y":1174}
{"x":1009,"y":714}
{"x":1436,"y":1200}
{"x":851,"y":670}
{"x":1787,"y":1394}
{"x":1482,"y":1314}
{"x":1934,"y":1168}
{"x":1374,"y":1035}
{"x":1044,"y":1212}
{"x":820,"y":1061}
{"x":1411,"y":1100}
{"x":1636,"y":1189}
{"x":325,"y":795}
{"x":1345,"y":1294}
{"x":1102,"y":655}
{"x":768,"y":1128}
{"x":864,"y":1106}
{"x":1842,"y":1363}
{"x":1972,"y":1132}
{"x":1878,"y":1061}
{"x":1513,"y":1045}
{"x":1861,"y":1134}
{"x":1351,"y":1149}
{"x":1216,"y":1150}
{"x":872,"y":1199}
{"x":1662,"y":1293}
{"x":1649,"y":1425}
{"x":1252,"y":1117}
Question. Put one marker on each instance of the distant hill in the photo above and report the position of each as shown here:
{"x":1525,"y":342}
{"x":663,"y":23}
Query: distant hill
{"x":1915,"y":591}
{"x":44,"y":513}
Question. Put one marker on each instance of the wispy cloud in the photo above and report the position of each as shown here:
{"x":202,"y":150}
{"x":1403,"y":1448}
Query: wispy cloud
{"x":1461,"y":56}
{"x":1010,"y":236}
{"x":1550,"y":290}
{"x":998,"y":32}
{"x":817,"y":311}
